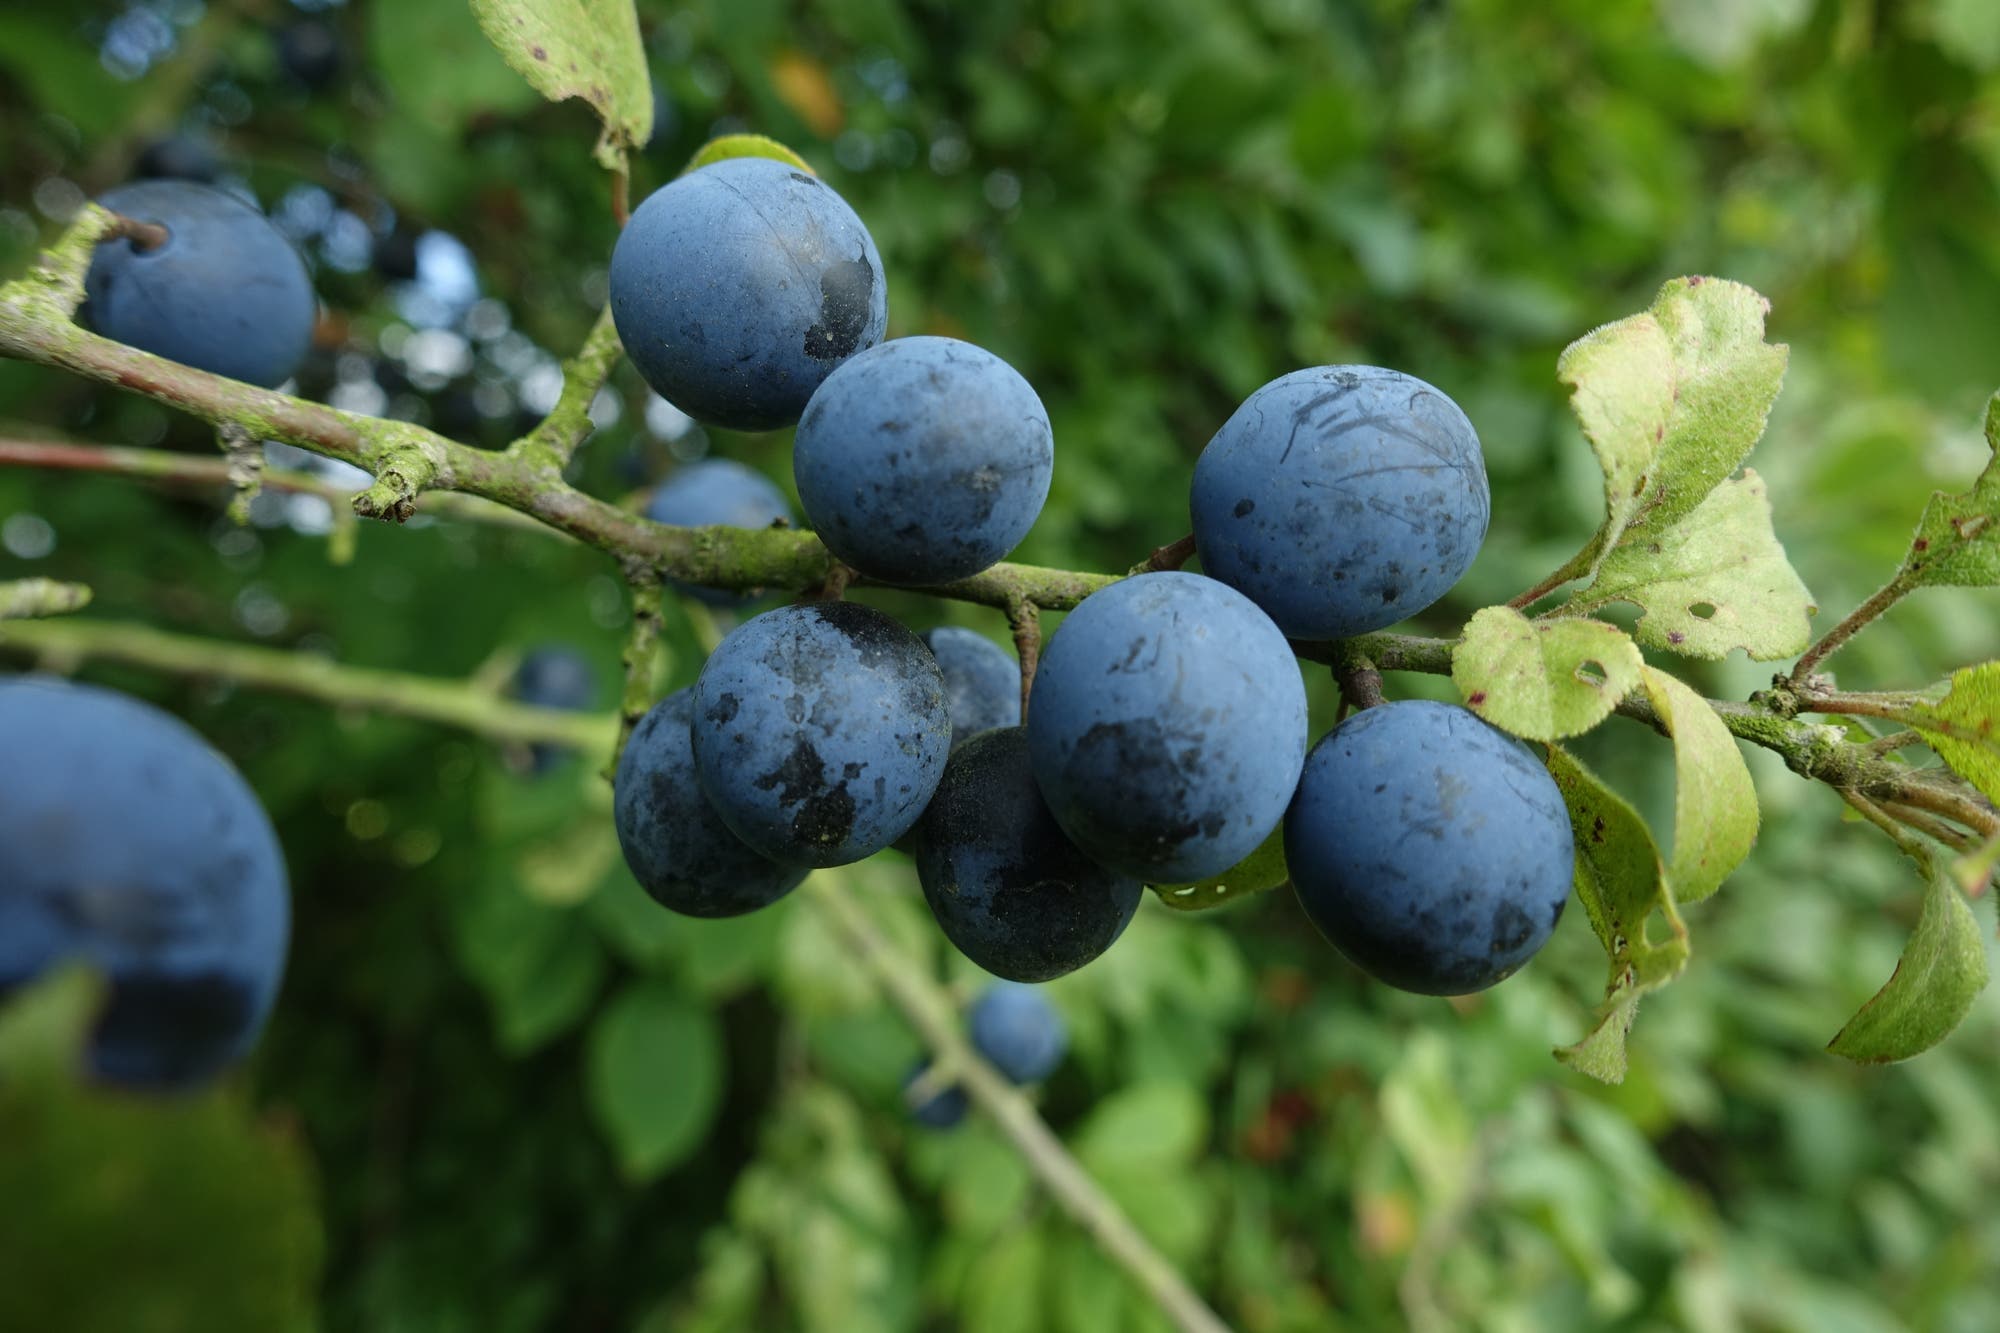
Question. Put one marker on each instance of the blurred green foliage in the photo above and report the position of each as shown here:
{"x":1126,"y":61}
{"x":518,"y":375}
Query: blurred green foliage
{"x":535,"y":1102}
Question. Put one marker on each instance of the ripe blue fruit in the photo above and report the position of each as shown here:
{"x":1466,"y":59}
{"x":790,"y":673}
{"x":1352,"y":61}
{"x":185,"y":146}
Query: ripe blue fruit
{"x":943,"y":1110}
{"x":1008,"y":887}
{"x":554,"y":676}
{"x":982,"y":683}
{"x":1429,"y":847}
{"x":1341,"y":499}
{"x":1167,"y":725}
{"x":718,"y":490}
{"x":820,"y":731}
{"x":1018,"y":1030}
{"x":678,"y":848}
{"x":923,"y":460}
{"x":128,"y":843}
{"x":738,"y":288}
{"x":225,"y":292}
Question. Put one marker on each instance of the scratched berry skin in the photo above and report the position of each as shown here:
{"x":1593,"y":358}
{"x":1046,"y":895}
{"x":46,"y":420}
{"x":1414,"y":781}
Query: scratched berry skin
{"x":1430,"y":848}
{"x":677,"y":847}
{"x":1341,"y":499}
{"x":820,"y":731}
{"x":923,"y":460}
{"x":1167,"y":724}
{"x":738,"y":288}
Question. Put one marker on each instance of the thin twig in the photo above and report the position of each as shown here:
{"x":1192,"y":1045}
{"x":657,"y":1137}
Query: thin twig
{"x":931,"y":1012}
{"x":641,"y":651}
{"x":1929,"y":825}
{"x":1857,"y":620}
{"x":1025,"y":619}
{"x":1171,"y":556}
{"x":64,"y":644}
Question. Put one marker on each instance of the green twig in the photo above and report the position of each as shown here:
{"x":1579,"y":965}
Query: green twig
{"x":65,"y":644}
{"x":554,"y":442}
{"x":25,"y":599}
{"x":642,"y":646}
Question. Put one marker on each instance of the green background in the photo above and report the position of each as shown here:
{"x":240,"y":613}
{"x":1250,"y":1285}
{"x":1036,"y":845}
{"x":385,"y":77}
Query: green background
{"x":531,"y":1101}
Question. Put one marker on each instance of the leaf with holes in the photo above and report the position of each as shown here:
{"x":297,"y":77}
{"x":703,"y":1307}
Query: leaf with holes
{"x":1715,"y":803}
{"x":1543,"y":679}
{"x":1957,"y":543}
{"x":1964,"y":727}
{"x":1672,"y":399}
{"x":1621,"y":882}
{"x":580,"y":48}
{"x":743,"y":145}
{"x":1712,"y":583}
{"x":1941,"y":972}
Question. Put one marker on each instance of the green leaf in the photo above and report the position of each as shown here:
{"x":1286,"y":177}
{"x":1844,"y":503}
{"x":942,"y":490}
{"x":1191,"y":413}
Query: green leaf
{"x":1714,"y":582}
{"x":1089,"y":1295}
{"x":121,"y":1212}
{"x":1152,"y":1125}
{"x":742,"y":145}
{"x":1941,"y":972}
{"x":1543,"y":679}
{"x":438,"y":66}
{"x":1715,"y":802}
{"x":654,"y":1070}
{"x":1673,"y":399}
{"x":1964,"y":726}
{"x":1957,"y":543}
{"x":580,"y":48}
{"x":1622,"y":883}
{"x":1003,"y":1292}
{"x":1262,"y":870}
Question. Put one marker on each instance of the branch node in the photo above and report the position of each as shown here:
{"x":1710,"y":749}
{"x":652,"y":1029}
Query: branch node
{"x":398,"y":482}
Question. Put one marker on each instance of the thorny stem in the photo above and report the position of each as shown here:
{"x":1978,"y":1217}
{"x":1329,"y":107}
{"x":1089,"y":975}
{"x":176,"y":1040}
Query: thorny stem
{"x":932,"y":1013}
{"x":1858,"y":619}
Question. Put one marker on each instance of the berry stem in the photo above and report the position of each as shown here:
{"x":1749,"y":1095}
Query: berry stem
{"x":1171,"y":556}
{"x":1025,"y":618}
{"x":143,"y":235}
{"x":1856,"y":620}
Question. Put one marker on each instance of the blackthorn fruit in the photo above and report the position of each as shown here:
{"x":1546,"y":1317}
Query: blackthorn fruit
{"x":923,"y":460}
{"x":1341,"y":499}
{"x":718,"y":490}
{"x":943,"y":1110}
{"x":188,"y":157}
{"x":1167,"y":725}
{"x":1006,"y":884}
{"x":1429,"y":847}
{"x":554,"y":676}
{"x":820,"y":731}
{"x":128,"y":843}
{"x":738,"y":288}
{"x":225,"y":292}
{"x":1018,"y":1030}
{"x":678,"y":848}
{"x":982,"y":683}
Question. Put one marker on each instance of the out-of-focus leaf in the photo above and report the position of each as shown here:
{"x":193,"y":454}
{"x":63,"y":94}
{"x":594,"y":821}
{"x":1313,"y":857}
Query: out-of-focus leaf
{"x":1261,"y":870}
{"x":1150,"y":1125}
{"x":655,"y":1072}
{"x":1622,"y":883}
{"x":579,"y":48}
{"x":743,"y":145}
{"x":1543,"y":679}
{"x":1003,"y":1293}
{"x":1941,"y":972}
{"x":122,"y":1212}
{"x":1957,"y":542}
{"x":438,"y":65}
{"x":1715,"y":802}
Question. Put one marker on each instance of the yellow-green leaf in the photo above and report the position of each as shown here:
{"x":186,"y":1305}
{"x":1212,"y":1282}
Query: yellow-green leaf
{"x":1714,"y":582}
{"x":1941,"y":972}
{"x":655,"y":1072}
{"x":580,"y":48}
{"x":1622,"y":883}
{"x":1964,"y":726}
{"x":1715,"y":803}
{"x":1957,"y":543}
{"x":743,"y":145}
{"x":1543,"y":679}
{"x":1672,"y":399}
{"x":1261,"y":870}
